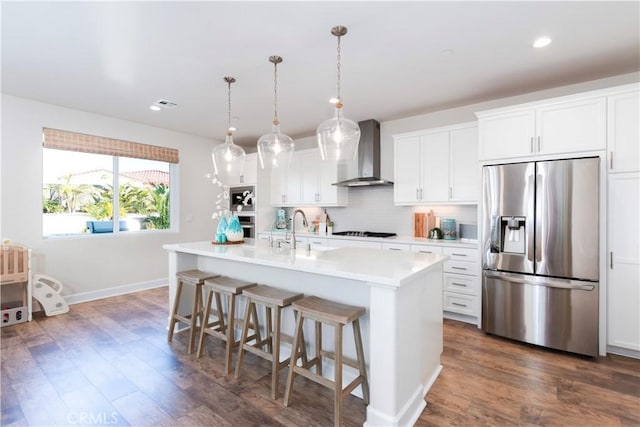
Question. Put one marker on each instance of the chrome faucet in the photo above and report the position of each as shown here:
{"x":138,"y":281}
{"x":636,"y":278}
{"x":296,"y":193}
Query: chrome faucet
{"x":293,"y":225}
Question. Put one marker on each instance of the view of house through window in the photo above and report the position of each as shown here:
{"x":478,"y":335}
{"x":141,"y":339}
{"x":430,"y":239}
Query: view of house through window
{"x":98,"y":193}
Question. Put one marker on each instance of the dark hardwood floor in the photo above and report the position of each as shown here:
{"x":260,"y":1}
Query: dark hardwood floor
{"x":107,"y":362}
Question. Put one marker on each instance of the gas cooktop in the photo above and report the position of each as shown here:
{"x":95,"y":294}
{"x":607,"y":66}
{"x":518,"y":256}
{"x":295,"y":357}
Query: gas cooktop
{"x":363,"y":234}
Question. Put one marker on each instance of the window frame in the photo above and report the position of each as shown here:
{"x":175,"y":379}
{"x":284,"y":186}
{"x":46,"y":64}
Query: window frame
{"x":174,"y":215}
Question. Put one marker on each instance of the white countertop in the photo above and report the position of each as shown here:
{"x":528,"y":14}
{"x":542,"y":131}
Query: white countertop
{"x":410,"y":240}
{"x":364,"y":264}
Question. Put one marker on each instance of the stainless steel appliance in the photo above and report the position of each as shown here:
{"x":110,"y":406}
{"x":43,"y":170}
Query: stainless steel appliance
{"x":241,"y":196}
{"x":368,"y":173}
{"x":540,"y":253}
{"x":248,"y":224}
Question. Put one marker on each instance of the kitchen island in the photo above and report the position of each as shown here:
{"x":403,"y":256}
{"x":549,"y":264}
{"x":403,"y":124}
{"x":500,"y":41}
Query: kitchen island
{"x":402,"y":291}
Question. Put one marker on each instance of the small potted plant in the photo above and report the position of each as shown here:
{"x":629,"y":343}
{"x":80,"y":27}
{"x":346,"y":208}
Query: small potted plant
{"x":330,"y":228}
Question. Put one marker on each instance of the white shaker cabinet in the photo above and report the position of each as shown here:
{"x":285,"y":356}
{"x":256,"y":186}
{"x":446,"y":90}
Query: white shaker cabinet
{"x":623,"y":131}
{"x":623,"y":274}
{"x":436,"y":166}
{"x":307,"y":182}
{"x":558,"y":126}
{"x":407,"y":169}
{"x":464,"y":171}
{"x":286,"y":185}
{"x":249,"y":172}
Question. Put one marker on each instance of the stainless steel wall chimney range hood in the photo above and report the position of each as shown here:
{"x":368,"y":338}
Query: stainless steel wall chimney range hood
{"x":368,"y":173}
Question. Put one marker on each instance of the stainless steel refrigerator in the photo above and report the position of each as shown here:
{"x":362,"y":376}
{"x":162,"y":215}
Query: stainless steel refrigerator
{"x":540,"y":253}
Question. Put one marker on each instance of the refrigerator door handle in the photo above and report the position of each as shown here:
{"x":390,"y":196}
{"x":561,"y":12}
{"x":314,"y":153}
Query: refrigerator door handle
{"x":540,"y":281}
{"x":539,"y":209}
{"x":530,"y":220}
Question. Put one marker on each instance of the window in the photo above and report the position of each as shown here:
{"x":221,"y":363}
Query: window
{"x":95,"y":185}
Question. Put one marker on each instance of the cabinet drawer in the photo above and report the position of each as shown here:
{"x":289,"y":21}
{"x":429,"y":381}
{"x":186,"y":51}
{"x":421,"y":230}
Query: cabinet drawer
{"x":460,"y":284}
{"x":461,"y":254}
{"x":314,"y":241}
{"x":463,"y":304}
{"x":396,"y":246}
{"x":427,"y":249}
{"x":462,"y":267}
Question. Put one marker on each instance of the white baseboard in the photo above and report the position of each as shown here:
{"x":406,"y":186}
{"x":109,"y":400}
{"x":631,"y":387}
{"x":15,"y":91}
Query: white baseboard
{"x":112,"y":292}
{"x":623,"y":351}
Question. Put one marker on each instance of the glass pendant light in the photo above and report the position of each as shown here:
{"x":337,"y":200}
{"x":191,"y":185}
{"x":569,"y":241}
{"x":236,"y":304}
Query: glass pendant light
{"x":275,"y":149}
{"x":228,"y":158}
{"x":338,"y":137}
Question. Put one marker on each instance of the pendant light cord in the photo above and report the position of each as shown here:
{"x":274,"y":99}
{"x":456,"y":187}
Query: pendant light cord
{"x":338,"y":71}
{"x":229,"y":107}
{"x":275,"y":93}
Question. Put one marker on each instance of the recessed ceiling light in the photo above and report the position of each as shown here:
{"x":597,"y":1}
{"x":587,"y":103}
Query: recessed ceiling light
{"x":446,"y":52}
{"x":155,"y":108}
{"x":541,"y":42}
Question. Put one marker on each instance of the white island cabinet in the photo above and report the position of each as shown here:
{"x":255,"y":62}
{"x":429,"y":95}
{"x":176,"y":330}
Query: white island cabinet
{"x":402,"y":327}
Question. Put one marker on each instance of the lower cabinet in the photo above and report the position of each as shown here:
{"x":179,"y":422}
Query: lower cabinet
{"x":461,"y":281}
{"x":462,"y":284}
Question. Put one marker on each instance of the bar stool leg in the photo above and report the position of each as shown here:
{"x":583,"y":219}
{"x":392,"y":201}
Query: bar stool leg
{"x":361,"y":365}
{"x":231,"y":341}
{"x":174,"y":311}
{"x":195,"y":315}
{"x":337,"y":392}
{"x":207,"y":310}
{"x":221,"y":321}
{"x":268,"y":315}
{"x":245,"y":332}
{"x":294,"y":357}
{"x":319,"y":348}
{"x":275,"y":353}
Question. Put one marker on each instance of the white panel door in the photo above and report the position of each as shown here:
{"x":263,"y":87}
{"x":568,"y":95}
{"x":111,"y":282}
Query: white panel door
{"x":571,"y":127}
{"x":507,"y":135}
{"x":293,"y":182}
{"x":407,"y":179}
{"x":623,"y":304}
{"x":464,"y":170}
{"x":435,"y":167}
{"x":623,"y":127}
{"x":308,"y":165}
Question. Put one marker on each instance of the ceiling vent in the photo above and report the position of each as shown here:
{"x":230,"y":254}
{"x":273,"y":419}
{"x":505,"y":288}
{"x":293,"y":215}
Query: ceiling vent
{"x":164,"y":103}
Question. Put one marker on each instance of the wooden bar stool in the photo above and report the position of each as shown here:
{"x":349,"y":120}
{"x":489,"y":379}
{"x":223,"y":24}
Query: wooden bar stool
{"x":274,"y":300}
{"x":337,"y":315}
{"x":225,"y":330}
{"x":194,"y":278}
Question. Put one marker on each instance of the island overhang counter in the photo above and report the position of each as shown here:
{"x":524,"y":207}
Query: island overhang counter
{"x":402,"y":292}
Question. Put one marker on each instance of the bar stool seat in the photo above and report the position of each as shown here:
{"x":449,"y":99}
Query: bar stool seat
{"x":337,"y":315}
{"x":274,"y":300}
{"x":221,"y":328}
{"x":194,"y":278}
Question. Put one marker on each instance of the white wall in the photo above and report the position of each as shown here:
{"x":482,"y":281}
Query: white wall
{"x":92,"y":264}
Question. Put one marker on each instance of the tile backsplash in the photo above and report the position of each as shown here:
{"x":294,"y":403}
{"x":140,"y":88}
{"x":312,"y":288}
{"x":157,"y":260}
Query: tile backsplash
{"x":372,"y":209}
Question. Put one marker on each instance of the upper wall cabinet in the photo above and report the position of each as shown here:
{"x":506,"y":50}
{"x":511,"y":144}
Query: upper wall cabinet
{"x":249,"y":172}
{"x":623,"y":139}
{"x":552,"y":127}
{"x":436,"y":166}
{"x":308,"y":182}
